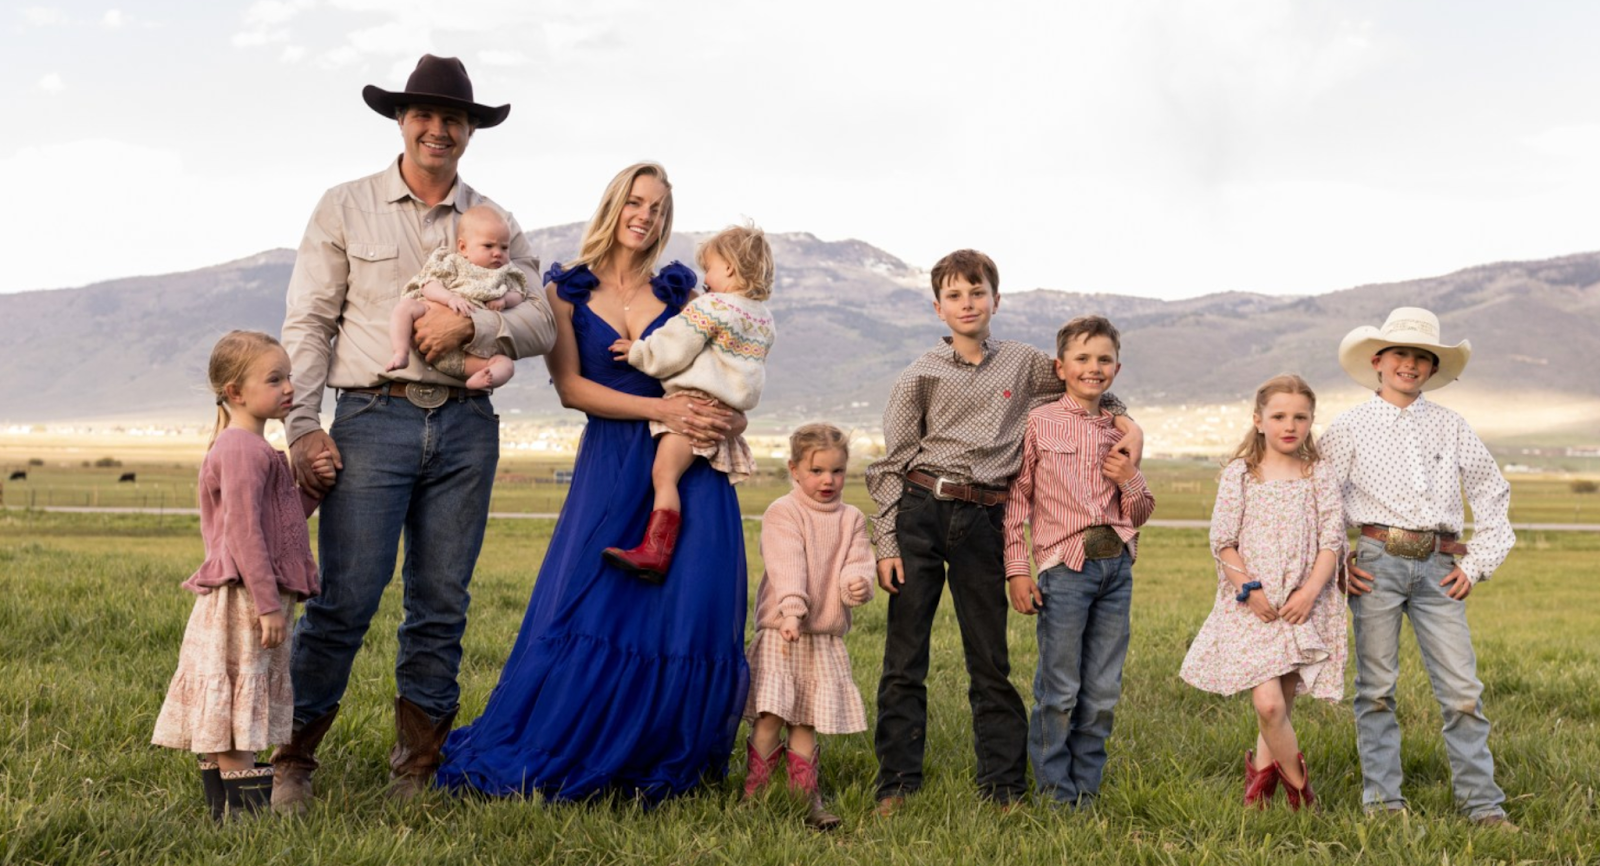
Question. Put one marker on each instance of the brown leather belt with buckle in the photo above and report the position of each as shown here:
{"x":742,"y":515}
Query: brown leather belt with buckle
{"x":944,"y":488}
{"x":1101,"y":542}
{"x":1413,"y":543}
{"x":424,"y":395}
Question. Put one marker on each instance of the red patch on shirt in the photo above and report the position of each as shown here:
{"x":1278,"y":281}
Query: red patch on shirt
{"x":1007,"y":393}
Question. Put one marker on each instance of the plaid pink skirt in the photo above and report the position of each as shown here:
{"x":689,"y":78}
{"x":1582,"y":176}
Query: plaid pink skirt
{"x":228,"y":692}
{"x":807,"y":682}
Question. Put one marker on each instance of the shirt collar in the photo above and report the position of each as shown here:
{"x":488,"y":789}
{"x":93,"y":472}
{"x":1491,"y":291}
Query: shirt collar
{"x":1390,"y":411}
{"x":395,"y":189}
{"x":988,"y":346}
{"x":1071,"y":407}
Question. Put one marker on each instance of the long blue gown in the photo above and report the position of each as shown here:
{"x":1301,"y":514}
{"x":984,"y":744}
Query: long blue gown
{"x":615,"y":684}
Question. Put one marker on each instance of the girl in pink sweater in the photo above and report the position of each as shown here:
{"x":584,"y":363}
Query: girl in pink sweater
{"x":230,"y":697}
{"x":818,"y":566}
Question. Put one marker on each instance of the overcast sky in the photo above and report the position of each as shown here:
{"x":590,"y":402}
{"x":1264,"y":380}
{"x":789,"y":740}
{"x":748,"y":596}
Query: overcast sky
{"x":1156,"y":147}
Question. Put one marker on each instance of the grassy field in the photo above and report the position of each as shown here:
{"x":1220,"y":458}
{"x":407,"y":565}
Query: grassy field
{"x":1184,"y":489}
{"x":93,"y":616}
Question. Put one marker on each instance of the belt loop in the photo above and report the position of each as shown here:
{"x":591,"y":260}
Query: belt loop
{"x":384,"y":391}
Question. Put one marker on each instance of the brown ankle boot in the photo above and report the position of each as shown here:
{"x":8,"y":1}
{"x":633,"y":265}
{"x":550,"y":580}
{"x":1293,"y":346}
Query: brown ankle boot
{"x":295,"y":761}
{"x":651,"y":559}
{"x":760,"y":768}
{"x":1303,"y":795}
{"x":417,"y":740}
{"x":1259,"y":785}
{"x":803,"y":773}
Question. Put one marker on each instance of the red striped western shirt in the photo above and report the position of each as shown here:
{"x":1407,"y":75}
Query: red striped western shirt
{"x":1060,"y":486}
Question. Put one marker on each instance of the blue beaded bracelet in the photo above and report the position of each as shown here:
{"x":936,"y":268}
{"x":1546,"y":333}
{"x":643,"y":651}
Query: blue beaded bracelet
{"x":1244,"y":591}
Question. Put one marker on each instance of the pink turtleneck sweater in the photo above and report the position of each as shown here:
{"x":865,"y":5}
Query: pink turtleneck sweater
{"x":812,"y":551}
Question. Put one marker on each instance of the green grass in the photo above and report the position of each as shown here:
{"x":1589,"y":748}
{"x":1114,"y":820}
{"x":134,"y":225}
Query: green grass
{"x":93,"y":616}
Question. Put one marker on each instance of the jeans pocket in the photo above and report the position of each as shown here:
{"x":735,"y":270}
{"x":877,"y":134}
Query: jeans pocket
{"x":483,"y":409}
{"x":351,"y":406}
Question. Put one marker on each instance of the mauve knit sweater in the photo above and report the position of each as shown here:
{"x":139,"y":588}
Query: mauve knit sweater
{"x":812,"y":551}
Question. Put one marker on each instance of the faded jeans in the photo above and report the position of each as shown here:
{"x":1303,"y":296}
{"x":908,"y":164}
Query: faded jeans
{"x":1083,"y":635}
{"x":428,"y":473}
{"x":1411,"y":588}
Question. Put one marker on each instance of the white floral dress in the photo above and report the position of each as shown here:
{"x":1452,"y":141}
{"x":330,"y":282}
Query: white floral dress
{"x":1278,"y":527}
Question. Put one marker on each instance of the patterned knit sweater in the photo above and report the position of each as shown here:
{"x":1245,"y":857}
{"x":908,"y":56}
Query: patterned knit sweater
{"x":718,"y":344}
{"x":812,"y":551}
{"x":477,"y":284}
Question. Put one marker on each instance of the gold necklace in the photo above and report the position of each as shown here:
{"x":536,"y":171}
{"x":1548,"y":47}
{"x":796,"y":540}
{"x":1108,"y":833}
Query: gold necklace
{"x":627,"y":303}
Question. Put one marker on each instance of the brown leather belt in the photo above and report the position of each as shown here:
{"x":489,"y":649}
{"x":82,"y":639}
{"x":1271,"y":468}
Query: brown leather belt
{"x":1413,"y":543}
{"x":943,"y":488}
{"x":425,"y":395}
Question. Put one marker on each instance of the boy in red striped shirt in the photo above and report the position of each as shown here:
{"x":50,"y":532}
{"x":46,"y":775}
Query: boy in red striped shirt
{"x":1087,"y":501}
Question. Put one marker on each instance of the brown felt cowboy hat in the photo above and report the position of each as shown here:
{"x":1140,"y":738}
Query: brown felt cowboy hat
{"x":436,"y":81}
{"x":1406,"y":326}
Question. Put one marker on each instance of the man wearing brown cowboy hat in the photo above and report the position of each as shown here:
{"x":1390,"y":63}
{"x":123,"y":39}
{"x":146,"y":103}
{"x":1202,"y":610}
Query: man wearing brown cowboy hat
{"x":416,"y":450}
{"x":1404,"y":460}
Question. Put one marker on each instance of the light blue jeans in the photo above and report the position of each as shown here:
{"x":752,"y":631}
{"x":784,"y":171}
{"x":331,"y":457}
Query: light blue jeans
{"x":428,"y":473}
{"x":1410,"y":587}
{"x":1083,"y":640}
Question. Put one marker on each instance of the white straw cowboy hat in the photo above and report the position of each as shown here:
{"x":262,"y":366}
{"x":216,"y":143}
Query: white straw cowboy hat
{"x":1406,"y":326}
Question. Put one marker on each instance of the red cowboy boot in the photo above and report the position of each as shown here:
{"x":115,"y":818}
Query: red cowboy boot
{"x":651,"y":559}
{"x":1259,"y":785}
{"x":761,"y":768}
{"x":1303,"y":795}
{"x":803,"y":778}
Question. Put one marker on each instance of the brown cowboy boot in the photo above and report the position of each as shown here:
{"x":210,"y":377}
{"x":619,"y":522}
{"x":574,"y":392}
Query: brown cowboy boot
{"x":295,"y":761}
{"x":651,"y":559}
{"x":1259,"y":785}
{"x":417,"y":740}
{"x":803,"y":778}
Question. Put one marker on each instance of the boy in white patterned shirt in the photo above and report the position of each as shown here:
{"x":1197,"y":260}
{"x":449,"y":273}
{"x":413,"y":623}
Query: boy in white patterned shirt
{"x":1404,"y":460}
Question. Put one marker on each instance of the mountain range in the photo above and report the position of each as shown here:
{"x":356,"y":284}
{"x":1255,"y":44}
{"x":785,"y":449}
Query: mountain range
{"x":850,"y":317}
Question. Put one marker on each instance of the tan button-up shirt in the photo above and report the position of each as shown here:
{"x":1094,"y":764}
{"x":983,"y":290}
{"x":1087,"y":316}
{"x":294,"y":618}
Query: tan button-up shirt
{"x":365,"y":240}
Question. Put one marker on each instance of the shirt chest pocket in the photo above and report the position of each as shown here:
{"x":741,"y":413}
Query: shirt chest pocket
{"x":374,"y":270}
{"x":1057,"y":444}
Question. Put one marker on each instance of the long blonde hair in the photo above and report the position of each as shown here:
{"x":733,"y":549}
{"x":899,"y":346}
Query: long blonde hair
{"x":231,"y":359}
{"x":600,"y":236}
{"x":1254,"y":446}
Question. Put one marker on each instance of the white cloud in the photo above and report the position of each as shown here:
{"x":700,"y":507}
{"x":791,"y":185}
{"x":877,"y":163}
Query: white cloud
{"x":339,"y":58}
{"x":113,"y":19}
{"x":52,"y":83}
{"x":43,"y":16}
{"x":1579,"y":140}
{"x":268,"y":13}
{"x":292,"y":54}
{"x":496,"y":57}
{"x":254,"y":38}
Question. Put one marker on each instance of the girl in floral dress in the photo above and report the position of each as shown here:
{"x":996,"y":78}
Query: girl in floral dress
{"x":1277,"y":627}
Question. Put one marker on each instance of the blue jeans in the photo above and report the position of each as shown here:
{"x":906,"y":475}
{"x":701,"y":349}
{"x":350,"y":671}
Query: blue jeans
{"x":1083,"y":640}
{"x":428,"y":473}
{"x":1411,"y":587}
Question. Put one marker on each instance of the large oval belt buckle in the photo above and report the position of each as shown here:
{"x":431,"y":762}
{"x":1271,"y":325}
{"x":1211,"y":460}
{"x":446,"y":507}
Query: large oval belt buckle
{"x":428,"y":396}
{"x":1411,"y":545}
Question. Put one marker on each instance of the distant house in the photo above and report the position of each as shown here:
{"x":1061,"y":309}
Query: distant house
{"x":563,"y":476}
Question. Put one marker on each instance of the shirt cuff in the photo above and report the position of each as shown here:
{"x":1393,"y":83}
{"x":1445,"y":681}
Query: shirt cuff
{"x":485,"y":329}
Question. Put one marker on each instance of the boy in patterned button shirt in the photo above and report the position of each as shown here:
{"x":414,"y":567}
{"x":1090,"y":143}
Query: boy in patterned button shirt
{"x":952,"y":435}
{"x":1404,"y":460}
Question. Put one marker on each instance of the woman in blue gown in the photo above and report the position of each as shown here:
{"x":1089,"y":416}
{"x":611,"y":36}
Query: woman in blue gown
{"x":613,"y":683}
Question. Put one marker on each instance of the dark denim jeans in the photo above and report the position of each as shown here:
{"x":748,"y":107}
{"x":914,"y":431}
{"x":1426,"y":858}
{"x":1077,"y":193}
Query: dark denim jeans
{"x":1083,"y":640}
{"x":1410,"y":588}
{"x":429,"y":473}
{"x":934,"y":533}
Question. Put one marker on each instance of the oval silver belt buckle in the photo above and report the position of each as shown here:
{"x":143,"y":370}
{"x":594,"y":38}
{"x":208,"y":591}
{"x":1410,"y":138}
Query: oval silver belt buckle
{"x":426,"y":395}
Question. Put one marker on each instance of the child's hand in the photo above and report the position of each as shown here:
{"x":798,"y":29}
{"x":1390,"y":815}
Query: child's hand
{"x":1118,"y":467}
{"x":1025,"y":595}
{"x":322,"y":467}
{"x":1297,"y":609}
{"x":1258,"y":604}
{"x":619,"y":350}
{"x":1457,"y":584}
{"x":857,"y":591}
{"x":891,"y":574}
{"x":790,"y":628}
{"x":274,"y":627}
{"x":497,"y":305}
{"x":1357,"y":582}
{"x":459,"y":305}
